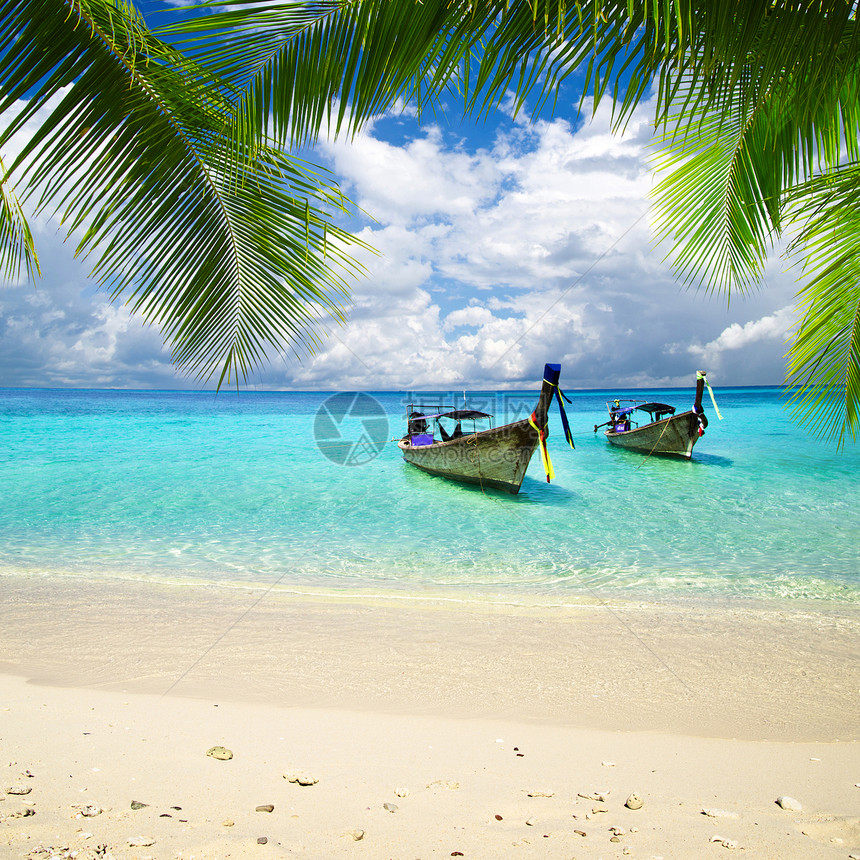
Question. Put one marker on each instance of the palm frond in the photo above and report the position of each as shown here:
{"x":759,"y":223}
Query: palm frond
{"x":17,"y":248}
{"x":226,"y":252}
{"x":711,"y":207}
{"x":825,"y":354}
{"x":330,"y":64}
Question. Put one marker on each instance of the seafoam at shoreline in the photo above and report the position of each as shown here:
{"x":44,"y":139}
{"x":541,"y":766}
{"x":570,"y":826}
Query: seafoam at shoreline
{"x":785,"y":673}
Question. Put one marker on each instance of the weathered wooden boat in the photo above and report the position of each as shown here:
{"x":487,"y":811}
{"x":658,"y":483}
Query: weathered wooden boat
{"x":496,"y":457}
{"x":664,"y":432}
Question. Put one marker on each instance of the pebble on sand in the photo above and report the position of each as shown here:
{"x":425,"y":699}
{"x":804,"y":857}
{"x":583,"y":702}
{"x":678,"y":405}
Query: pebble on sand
{"x":220,"y":753}
{"x":634,"y":801}
{"x":300,"y":777}
{"x":265,"y":807}
{"x":357,"y":835}
{"x":18,"y":789}
{"x":789,"y":803}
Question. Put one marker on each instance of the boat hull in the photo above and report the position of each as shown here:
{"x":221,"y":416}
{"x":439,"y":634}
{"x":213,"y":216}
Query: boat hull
{"x":673,"y":436}
{"x":496,"y":458}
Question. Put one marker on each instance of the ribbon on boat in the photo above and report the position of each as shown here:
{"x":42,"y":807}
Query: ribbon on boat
{"x":701,"y":375}
{"x":560,"y":396}
{"x":544,"y":453}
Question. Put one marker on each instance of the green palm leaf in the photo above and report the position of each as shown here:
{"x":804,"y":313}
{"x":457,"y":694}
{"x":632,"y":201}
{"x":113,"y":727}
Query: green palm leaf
{"x":16,"y":241}
{"x":825,"y":355}
{"x":331,"y":64}
{"x":711,"y":206}
{"x":229,"y":256}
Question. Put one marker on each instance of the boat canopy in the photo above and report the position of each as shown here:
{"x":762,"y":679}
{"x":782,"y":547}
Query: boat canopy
{"x":660,"y":408}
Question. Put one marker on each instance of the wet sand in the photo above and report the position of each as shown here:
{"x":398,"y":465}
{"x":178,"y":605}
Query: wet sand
{"x":114,"y":694}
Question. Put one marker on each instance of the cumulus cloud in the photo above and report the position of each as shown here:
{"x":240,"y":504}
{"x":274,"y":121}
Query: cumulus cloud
{"x":498,"y":249}
{"x":773,"y":327}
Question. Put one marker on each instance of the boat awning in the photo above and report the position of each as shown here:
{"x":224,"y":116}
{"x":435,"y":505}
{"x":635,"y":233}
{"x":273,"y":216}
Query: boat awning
{"x":656,"y":407}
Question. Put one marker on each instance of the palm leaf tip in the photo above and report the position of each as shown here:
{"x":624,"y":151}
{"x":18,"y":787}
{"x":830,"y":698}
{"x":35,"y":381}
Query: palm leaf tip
{"x":17,"y":247}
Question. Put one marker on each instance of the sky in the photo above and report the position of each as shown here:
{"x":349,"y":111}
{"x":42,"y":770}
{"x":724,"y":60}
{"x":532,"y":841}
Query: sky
{"x":501,"y":246}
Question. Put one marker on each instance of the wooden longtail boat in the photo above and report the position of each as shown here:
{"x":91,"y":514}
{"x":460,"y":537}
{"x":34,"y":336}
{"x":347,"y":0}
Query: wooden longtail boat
{"x":497,"y":457}
{"x":665,"y":432}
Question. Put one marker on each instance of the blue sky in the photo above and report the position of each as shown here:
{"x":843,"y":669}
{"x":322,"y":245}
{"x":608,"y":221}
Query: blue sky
{"x":502,"y":245}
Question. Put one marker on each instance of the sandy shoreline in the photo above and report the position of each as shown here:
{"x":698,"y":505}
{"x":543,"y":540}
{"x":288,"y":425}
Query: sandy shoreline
{"x":115,"y":694}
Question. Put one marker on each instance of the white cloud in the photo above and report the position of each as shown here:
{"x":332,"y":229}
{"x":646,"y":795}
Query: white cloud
{"x":532,"y":246}
{"x":775,"y":326}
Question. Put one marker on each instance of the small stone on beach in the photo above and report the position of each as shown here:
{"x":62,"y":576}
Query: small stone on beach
{"x":357,"y":835}
{"x":220,"y":753}
{"x":300,"y":777}
{"x":634,"y":801}
{"x":265,"y":807}
{"x":18,"y":789}
{"x":789,"y":803}
{"x":262,"y":840}
{"x":136,"y":804}
{"x":390,"y":807}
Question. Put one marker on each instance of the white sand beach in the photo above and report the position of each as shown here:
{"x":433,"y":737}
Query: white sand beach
{"x":427,"y":727}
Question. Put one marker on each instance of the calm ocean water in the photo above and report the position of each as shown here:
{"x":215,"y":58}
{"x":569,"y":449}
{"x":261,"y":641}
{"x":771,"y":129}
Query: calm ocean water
{"x":234,"y":489}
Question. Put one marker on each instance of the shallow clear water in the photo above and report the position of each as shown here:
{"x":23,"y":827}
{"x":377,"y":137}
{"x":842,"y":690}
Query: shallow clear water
{"x":234,"y":489}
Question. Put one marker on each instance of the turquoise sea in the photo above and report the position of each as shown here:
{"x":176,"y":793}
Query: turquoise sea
{"x":236,"y":489}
